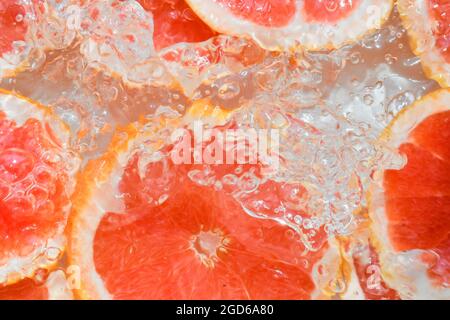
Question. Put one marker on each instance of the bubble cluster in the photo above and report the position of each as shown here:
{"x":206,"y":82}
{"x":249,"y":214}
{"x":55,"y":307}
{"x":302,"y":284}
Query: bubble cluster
{"x":329,"y":124}
{"x":35,"y":186}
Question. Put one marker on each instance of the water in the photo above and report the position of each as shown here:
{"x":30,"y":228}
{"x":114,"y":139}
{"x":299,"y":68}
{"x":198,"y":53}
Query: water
{"x":329,"y":107}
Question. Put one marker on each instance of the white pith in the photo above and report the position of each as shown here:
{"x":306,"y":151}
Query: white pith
{"x":57,"y":286}
{"x":101,"y":200}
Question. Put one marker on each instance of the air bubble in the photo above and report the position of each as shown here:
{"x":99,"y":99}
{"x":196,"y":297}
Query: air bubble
{"x":53,"y":253}
{"x":390,"y":59}
{"x":337,"y":285}
{"x":229,"y":91}
{"x":368,"y":99}
{"x":19,"y":18}
{"x":40,"y":276}
{"x":355,"y":57}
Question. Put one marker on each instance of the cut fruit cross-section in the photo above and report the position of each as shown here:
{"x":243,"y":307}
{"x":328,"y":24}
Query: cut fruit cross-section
{"x":428,"y":25}
{"x":410,"y":206}
{"x":37,"y":171}
{"x":285,"y":24}
{"x":153,"y":228}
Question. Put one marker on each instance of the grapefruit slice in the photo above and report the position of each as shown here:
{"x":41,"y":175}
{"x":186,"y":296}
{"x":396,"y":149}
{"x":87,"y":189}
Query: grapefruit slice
{"x":53,"y":288}
{"x":409,"y":207}
{"x":153,"y":229}
{"x":284,"y":24}
{"x":427,"y":22}
{"x":36,"y":179}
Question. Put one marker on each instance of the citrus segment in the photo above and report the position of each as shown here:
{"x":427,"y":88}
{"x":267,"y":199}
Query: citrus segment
{"x":285,"y":24}
{"x":440,"y":11}
{"x":197,"y":247}
{"x":418,"y":196}
{"x":174,"y":22}
{"x":267,"y":13}
{"x":328,"y":10}
{"x":414,"y":201}
{"x":35,"y":184}
{"x":33,"y":196}
{"x":436,"y":144}
{"x":167,"y":231}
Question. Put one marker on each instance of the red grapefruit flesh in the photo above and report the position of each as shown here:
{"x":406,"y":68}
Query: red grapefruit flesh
{"x":409,"y":207}
{"x":174,"y":22}
{"x":16,"y":38}
{"x":199,"y":244}
{"x":168,"y":233}
{"x":285,"y":24}
{"x":35,"y":186}
{"x":329,"y":10}
{"x":268,"y":13}
{"x":418,"y":196}
{"x":440,"y":11}
{"x":33,"y":194}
